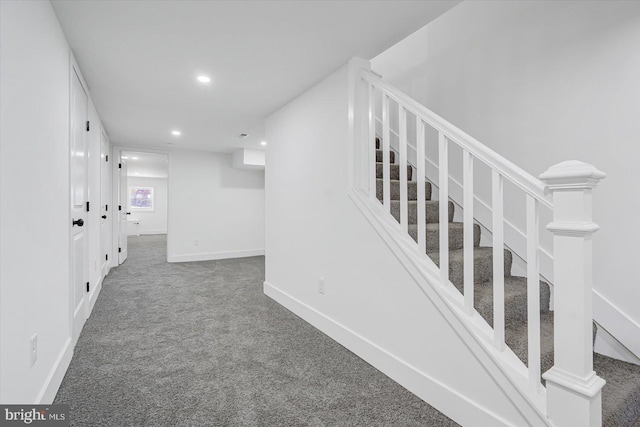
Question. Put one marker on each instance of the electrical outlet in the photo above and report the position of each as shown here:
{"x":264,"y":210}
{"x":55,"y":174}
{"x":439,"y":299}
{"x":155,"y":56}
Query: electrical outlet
{"x":196,"y":242}
{"x":321,"y":286}
{"x":33,"y":350}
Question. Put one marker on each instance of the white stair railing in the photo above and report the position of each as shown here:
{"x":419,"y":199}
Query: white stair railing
{"x":573,"y":389}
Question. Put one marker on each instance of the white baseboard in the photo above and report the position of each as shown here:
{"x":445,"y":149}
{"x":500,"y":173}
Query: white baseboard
{"x":145,"y":232}
{"x":617,"y":324}
{"x":52,"y":384}
{"x":93,"y":296}
{"x":445,"y":399}
{"x":153,"y":231}
{"x":210,"y":256}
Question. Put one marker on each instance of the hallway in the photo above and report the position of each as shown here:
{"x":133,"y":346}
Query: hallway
{"x":200,"y":344}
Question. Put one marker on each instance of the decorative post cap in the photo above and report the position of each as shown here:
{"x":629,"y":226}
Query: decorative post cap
{"x":572,"y":174}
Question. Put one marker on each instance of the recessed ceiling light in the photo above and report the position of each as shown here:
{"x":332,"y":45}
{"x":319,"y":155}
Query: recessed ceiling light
{"x":124,"y":157}
{"x":134,"y":158}
{"x":176,"y":133}
{"x":263,"y":143}
{"x":204,"y":79}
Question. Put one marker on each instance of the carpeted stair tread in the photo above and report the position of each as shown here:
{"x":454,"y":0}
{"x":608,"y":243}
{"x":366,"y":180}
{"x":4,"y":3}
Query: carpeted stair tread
{"x":482,"y":264}
{"x":456,"y":235}
{"x":432,"y":211}
{"x":395,"y":171}
{"x":621,"y":393}
{"x":412,"y":189}
{"x":515,"y":300}
{"x":380,"y":153}
{"x":516,"y":337}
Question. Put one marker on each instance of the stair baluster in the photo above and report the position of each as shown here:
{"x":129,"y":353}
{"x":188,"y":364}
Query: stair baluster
{"x":533,"y":293}
{"x":497,"y":202}
{"x":467,"y":170}
{"x":443,"y":166}
{"x":386,"y":165}
{"x":372,"y":141}
{"x":421,"y":196}
{"x":404,"y":208}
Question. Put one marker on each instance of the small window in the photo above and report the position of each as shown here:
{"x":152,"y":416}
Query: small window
{"x":141,"y":198}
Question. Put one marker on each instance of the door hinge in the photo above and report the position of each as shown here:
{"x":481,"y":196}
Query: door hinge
{"x":119,"y":165}
{"x":106,"y":257}
{"x":87,"y":286}
{"x":119,"y":207}
{"x":119,"y":250}
{"x":88,"y":126}
{"x":106,"y":158}
{"x":106,"y":208}
{"x":87,"y":206}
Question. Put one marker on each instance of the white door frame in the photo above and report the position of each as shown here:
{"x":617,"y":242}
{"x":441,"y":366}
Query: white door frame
{"x":123,"y":210}
{"x":106,"y":208}
{"x":117,"y":153}
{"x":115,"y":202}
{"x":74,"y":320}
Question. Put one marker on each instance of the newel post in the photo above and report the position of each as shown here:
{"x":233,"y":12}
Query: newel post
{"x":573,"y":388}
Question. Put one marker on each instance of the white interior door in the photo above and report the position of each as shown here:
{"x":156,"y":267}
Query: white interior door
{"x":78,"y":178}
{"x":105,"y":236}
{"x":122,"y":211}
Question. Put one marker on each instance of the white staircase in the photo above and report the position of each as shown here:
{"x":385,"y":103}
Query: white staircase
{"x":568,"y":394}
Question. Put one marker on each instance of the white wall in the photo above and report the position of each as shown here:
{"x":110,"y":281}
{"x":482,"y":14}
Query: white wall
{"x":154,"y":222}
{"x":215,"y":211}
{"x":371,"y":304}
{"x":543,"y":82}
{"x":34,"y":202}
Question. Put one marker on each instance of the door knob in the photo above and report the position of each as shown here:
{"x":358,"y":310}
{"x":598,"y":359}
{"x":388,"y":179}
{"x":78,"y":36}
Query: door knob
{"x":128,"y":213}
{"x":104,"y":217}
{"x":78,"y":222}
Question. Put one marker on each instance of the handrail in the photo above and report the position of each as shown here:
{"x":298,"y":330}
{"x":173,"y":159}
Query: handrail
{"x":527,"y":182}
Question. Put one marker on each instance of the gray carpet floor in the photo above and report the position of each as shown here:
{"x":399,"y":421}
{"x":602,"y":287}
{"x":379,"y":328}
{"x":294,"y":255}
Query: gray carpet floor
{"x":199,"y":344}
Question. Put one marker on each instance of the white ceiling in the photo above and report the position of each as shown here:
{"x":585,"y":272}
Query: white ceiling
{"x":140,"y":60}
{"x":147,"y":165}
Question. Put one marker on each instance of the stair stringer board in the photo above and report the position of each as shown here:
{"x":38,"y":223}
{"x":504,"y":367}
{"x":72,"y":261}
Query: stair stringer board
{"x":508,"y":372}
